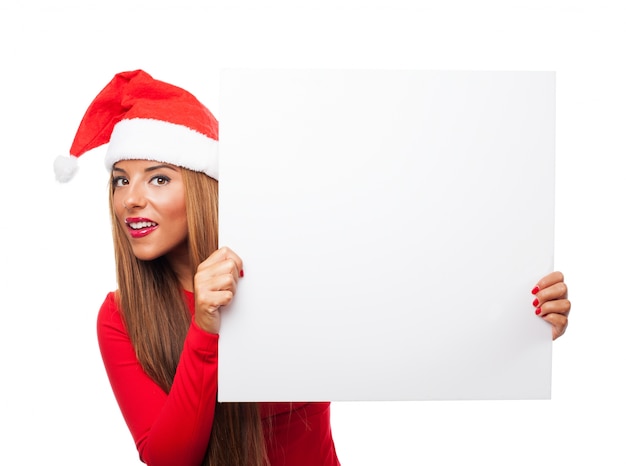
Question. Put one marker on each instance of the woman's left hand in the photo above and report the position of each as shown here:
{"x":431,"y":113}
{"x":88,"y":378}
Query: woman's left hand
{"x":551,"y":303}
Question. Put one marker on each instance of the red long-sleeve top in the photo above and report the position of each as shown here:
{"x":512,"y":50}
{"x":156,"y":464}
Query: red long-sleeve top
{"x":174,"y":428}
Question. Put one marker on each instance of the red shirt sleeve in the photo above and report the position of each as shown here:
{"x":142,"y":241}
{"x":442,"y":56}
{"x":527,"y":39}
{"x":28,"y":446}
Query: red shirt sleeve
{"x":174,"y":428}
{"x":168,"y":429}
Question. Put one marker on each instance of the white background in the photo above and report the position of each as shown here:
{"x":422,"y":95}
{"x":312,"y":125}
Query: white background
{"x":56,"y":405}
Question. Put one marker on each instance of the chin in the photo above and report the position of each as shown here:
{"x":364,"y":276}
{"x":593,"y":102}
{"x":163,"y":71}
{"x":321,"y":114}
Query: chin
{"x":146,"y":256}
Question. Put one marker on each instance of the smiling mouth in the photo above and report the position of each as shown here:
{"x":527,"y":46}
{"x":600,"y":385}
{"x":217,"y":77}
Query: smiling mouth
{"x":140,"y":225}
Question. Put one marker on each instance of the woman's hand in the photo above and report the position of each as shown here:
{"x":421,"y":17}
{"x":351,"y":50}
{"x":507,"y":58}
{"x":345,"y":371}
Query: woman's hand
{"x":215,"y":284}
{"x":551,"y":302}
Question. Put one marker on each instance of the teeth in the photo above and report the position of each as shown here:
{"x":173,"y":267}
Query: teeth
{"x":140,"y":225}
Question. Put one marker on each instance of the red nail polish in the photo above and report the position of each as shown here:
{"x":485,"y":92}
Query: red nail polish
{"x":538,"y":311}
{"x":241,"y":273}
{"x":535,"y":302}
{"x":535,"y":290}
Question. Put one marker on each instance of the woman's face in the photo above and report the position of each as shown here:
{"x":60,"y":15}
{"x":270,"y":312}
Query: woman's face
{"x":149,"y":202}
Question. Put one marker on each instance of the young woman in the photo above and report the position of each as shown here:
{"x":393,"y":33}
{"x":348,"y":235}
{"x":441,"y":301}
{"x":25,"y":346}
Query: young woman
{"x":158,"y":332}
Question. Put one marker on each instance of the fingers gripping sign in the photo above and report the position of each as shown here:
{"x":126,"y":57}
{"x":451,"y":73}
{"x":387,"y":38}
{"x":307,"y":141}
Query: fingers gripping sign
{"x":551,"y":302}
{"x":215,"y":285}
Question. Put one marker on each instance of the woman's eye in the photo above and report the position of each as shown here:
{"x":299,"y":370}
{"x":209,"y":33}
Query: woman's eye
{"x":160,"y":180}
{"x":119,"y":181}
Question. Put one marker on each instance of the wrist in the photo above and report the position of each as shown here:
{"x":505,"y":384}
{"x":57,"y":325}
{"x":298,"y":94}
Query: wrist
{"x":209,"y":324}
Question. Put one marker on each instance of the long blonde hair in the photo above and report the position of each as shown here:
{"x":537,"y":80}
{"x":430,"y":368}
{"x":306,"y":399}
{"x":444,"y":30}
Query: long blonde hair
{"x":157,"y":320}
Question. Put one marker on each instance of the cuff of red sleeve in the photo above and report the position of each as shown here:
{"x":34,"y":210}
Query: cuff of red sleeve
{"x":201,"y":341}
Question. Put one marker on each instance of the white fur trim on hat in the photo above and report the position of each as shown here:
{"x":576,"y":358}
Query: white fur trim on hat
{"x":65,"y":168}
{"x":161,"y":141}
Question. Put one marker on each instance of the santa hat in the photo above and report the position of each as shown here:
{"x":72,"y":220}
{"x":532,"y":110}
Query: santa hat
{"x":143,"y":118}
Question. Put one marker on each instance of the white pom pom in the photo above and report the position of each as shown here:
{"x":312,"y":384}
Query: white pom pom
{"x":65,"y":167}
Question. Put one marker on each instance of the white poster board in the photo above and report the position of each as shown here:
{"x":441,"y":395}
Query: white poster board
{"x":392,"y":225}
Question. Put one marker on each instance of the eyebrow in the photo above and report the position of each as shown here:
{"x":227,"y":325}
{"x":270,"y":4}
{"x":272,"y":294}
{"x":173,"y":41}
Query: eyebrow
{"x":149,"y":169}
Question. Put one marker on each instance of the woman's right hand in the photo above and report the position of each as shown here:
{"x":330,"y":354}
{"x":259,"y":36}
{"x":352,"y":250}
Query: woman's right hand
{"x":215,"y":284}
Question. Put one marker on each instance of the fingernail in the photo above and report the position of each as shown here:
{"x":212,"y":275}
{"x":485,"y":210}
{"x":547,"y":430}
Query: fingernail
{"x":538,"y":311}
{"x":535,"y":290}
{"x":241,"y":273}
{"x":535,"y":302}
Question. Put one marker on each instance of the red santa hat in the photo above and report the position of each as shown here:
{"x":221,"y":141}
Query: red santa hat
{"x":143,"y":118}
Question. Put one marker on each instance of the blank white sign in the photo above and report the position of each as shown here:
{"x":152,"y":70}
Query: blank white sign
{"x":392,"y":225}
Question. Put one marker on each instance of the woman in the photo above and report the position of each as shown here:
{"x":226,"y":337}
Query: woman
{"x":158,"y":332}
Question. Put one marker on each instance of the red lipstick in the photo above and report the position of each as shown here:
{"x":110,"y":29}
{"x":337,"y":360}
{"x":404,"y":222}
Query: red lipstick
{"x":138,"y":227}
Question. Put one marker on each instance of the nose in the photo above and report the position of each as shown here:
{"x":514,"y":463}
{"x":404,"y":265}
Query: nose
{"x":134,"y":197}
